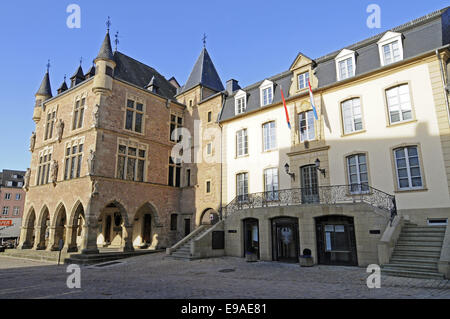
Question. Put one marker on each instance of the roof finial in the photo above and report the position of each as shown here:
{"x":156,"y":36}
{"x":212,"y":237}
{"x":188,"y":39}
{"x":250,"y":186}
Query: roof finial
{"x":48,"y":65}
{"x":65,"y":76}
{"x":204,"y":40}
{"x":116,"y":40}
{"x":81,"y":61}
{"x":108,"y":23}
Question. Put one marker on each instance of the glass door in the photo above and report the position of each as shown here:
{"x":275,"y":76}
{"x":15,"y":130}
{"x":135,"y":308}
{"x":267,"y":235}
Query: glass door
{"x":309,"y":184}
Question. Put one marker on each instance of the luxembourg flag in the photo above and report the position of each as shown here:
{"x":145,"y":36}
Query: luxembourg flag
{"x":311,"y":96}
{"x":285,"y":108}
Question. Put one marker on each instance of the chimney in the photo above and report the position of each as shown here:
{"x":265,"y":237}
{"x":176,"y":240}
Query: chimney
{"x":232,"y":86}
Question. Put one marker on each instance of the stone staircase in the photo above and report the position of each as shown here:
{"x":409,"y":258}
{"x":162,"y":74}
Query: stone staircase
{"x":184,"y":250}
{"x":417,"y":252}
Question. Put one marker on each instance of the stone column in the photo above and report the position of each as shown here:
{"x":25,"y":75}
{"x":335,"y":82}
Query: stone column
{"x":52,"y":244}
{"x":127,"y":238}
{"x":89,"y":244}
{"x":26,"y":234}
{"x":37,"y":239}
{"x":71,"y":239}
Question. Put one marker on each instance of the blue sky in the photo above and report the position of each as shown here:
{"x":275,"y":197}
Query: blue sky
{"x":247,"y":40}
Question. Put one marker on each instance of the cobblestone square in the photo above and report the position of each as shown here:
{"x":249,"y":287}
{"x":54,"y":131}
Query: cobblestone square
{"x":155,"y":276}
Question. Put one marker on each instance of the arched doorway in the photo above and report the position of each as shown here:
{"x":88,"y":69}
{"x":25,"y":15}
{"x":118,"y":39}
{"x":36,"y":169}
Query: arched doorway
{"x":115,"y":230}
{"x":209,"y":217}
{"x":29,"y":230}
{"x":75,"y":229}
{"x":42,"y":236}
{"x":144,"y":227}
{"x":285,"y":239}
{"x":336,"y":244}
{"x":251,"y":236}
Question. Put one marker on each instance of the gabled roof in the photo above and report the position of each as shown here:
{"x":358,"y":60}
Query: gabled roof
{"x":45,"y":88}
{"x":106,"y":50}
{"x":139,"y":74}
{"x":204,"y":73}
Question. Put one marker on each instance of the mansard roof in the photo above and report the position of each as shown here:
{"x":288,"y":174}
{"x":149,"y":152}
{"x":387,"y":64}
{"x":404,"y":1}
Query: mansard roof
{"x":204,"y":73}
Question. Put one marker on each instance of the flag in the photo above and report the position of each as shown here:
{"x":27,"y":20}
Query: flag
{"x":311,"y":96}
{"x":285,"y":109}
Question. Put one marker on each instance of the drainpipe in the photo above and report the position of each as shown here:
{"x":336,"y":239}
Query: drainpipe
{"x":221,"y":156}
{"x":443,"y":84}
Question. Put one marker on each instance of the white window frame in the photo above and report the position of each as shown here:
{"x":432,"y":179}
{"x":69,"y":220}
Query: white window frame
{"x":5,"y":210}
{"x":18,"y":196}
{"x":401,"y":106}
{"x":305,"y":77}
{"x":352,"y":115}
{"x":308,"y":116}
{"x":264,"y":86}
{"x":271,"y":179}
{"x":241,"y":142}
{"x":344,"y":56}
{"x":388,"y":39}
{"x":358,"y":173}
{"x":7,"y":196}
{"x":272,"y":131}
{"x":16,"y":211}
{"x":242,"y":185}
{"x":240,"y":97}
{"x":408,"y":168}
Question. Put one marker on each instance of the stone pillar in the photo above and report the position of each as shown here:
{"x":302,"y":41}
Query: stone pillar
{"x":26,"y":234}
{"x":38,"y":244}
{"x":127,"y":238}
{"x":52,"y":244}
{"x":71,"y":239}
{"x":89,"y":244}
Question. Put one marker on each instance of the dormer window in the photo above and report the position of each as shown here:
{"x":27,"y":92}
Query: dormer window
{"x":345,"y":64}
{"x":240,"y":102}
{"x":303,"y":80}
{"x":390,"y":48}
{"x":266,"y":90}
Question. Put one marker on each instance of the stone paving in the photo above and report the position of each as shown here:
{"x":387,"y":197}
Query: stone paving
{"x":155,"y":276}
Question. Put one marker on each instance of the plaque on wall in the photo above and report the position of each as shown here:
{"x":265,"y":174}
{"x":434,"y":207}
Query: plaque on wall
{"x":218,"y":239}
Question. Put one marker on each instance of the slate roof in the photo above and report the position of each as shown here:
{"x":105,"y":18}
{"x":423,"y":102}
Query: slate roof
{"x":420,"y":35}
{"x":45,"y":88}
{"x":204,"y":73}
{"x":106,"y":50}
{"x":139,"y":74}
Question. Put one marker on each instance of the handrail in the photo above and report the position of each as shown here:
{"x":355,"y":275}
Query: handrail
{"x":334,"y":194}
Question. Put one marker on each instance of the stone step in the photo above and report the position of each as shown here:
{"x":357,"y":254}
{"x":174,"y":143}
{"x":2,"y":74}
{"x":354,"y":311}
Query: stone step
{"x":425,"y":238}
{"x":414,"y":259}
{"x":419,"y":243}
{"x":413,"y":266}
{"x":426,"y":229}
{"x":415,"y":254}
{"x":412,"y":248}
{"x":412,"y":274}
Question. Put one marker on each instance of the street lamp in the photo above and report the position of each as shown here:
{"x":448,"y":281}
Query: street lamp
{"x":322,"y":170}
{"x":286,"y":167}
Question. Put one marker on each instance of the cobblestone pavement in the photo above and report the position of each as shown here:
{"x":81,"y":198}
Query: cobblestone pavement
{"x":155,"y":276}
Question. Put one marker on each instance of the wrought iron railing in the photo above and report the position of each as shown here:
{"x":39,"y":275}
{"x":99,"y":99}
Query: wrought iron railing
{"x":338,"y":194}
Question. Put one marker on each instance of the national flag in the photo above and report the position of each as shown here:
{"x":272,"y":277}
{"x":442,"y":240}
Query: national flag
{"x":285,"y":109}
{"x":311,"y":96}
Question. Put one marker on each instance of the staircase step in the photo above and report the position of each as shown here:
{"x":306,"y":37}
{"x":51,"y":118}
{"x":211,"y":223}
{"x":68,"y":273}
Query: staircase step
{"x":428,"y":229}
{"x":413,"y":267}
{"x":419,"y":243}
{"x":422,"y":237}
{"x":414,"y":259}
{"x":412,"y":248}
{"x":415,"y":254}
{"x":412,"y":274}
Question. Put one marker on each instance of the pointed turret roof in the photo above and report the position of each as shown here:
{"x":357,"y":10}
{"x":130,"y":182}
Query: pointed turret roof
{"x":90,"y":73}
{"x":79,"y":73}
{"x":204,"y":73}
{"x":63,"y":87}
{"x":45,"y":88}
{"x":106,"y":50}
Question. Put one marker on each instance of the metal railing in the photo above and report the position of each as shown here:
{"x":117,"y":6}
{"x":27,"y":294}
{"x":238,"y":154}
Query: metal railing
{"x":327,"y":195}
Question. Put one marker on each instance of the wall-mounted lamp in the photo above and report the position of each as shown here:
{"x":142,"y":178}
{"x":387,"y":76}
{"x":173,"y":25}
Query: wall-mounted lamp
{"x":286,"y":167}
{"x":322,"y":170}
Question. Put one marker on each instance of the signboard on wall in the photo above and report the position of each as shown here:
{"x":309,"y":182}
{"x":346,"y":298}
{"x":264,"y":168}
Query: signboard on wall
{"x":10,"y":227}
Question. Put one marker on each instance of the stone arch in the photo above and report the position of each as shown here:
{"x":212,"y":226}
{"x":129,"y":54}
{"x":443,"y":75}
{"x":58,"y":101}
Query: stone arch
{"x":42,"y":229}
{"x":146,"y":225}
{"x":209,"y":216}
{"x":28,"y":229}
{"x":59,"y":226}
{"x":114,"y":227}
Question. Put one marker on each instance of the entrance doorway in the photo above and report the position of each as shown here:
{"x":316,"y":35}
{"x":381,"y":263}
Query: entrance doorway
{"x":108,"y":229}
{"x":336,"y":244}
{"x":251,"y":236}
{"x":309,"y":184}
{"x":147,"y":230}
{"x":285,"y":241}
{"x":187,"y":226}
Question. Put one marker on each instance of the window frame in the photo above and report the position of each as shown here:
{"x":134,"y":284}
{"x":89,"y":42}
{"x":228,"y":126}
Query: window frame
{"x":304,"y":80}
{"x":138,"y":158}
{"x":410,"y":188}
{"x":274,"y":192}
{"x":246,"y":185}
{"x":73,"y":161}
{"x":242,"y":141}
{"x":387,"y":107}
{"x":311,"y":113}
{"x":348,"y":173}
{"x":341,"y":108}
{"x":344,"y":56}
{"x":264,"y":86}
{"x":79,"y":109}
{"x":135,"y":112}
{"x":273,"y":147}
{"x":241,"y":96}
{"x":388,"y":39}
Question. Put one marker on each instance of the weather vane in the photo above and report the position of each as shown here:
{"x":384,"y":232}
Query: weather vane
{"x":116,"y":41}
{"x":108,"y":23}
{"x":48,"y":65}
{"x":204,"y":40}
